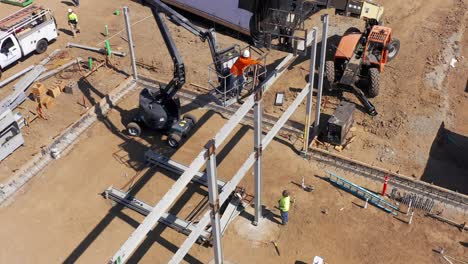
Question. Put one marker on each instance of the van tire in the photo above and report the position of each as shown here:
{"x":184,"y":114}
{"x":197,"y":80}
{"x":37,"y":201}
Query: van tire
{"x":41,"y":46}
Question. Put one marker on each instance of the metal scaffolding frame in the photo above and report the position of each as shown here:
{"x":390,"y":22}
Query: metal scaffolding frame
{"x":251,"y":160}
{"x":207,"y":155}
{"x":173,"y":193}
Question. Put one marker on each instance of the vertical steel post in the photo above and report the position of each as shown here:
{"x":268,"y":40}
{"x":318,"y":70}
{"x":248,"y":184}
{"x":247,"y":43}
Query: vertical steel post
{"x":313,"y":52}
{"x":214,"y":201}
{"x":258,"y":153}
{"x":130,"y":41}
{"x":321,"y":72}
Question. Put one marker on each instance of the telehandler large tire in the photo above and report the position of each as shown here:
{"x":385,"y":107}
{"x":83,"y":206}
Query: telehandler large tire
{"x":374,"y":82}
{"x":393,"y":48}
{"x":329,"y":74}
{"x":351,"y":30}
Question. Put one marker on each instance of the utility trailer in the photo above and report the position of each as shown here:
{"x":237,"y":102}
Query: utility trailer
{"x":29,"y":30}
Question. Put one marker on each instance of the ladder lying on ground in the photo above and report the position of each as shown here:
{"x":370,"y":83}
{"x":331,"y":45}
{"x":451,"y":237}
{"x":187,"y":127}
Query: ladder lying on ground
{"x":363,"y":193}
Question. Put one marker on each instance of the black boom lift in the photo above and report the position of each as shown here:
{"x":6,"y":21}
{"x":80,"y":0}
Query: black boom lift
{"x":159,"y":108}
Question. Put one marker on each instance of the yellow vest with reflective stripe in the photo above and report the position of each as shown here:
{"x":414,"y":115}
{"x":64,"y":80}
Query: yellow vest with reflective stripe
{"x":284,"y":204}
{"x":72,"y":17}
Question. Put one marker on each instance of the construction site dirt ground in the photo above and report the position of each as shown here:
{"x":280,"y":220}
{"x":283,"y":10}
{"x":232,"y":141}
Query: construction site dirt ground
{"x":59,"y":216}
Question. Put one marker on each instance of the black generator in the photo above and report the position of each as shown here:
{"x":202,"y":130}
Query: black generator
{"x":339,"y":123}
{"x":347,"y":7}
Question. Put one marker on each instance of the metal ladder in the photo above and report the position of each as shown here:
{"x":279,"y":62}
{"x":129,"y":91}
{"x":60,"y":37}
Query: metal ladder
{"x":362,"y":193}
{"x":23,"y":15}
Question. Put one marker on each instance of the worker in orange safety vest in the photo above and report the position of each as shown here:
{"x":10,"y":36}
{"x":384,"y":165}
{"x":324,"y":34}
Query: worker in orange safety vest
{"x":237,"y":71}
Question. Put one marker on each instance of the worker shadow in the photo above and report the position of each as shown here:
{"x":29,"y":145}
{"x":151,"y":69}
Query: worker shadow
{"x":67,"y":3}
{"x":270,"y":215}
{"x":266,"y":213}
{"x":465,"y":244}
{"x":66,"y":31}
{"x":299,"y":262}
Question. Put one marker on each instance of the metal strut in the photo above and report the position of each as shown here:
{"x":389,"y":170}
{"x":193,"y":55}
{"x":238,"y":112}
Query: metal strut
{"x":204,"y":34}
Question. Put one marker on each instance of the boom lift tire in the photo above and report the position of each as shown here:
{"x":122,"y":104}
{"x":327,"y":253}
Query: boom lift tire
{"x":41,"y":46}
{"x":133,"y":129}
{"x":329,"y":74}
{"x":374,"y":82}
{"x":174,"y":140}
{"x":393,"y":48}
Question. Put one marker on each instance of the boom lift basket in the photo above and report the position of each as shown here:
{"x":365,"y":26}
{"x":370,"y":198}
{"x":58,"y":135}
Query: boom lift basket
{"x":223,"y":92}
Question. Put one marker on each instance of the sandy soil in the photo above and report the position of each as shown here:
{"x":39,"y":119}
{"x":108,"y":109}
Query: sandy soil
{"x":60,"y":217}
{"x":60,"y":212}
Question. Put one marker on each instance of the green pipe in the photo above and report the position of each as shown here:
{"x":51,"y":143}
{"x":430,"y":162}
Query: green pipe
{"x":90,"y":63}
{"x":107,"y":31}
{"x":108,"y":48}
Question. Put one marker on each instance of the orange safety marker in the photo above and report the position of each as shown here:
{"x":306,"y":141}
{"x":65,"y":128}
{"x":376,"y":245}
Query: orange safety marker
{"x":384,"y":189}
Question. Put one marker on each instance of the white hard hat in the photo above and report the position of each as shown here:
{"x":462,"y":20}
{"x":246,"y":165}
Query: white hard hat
{"x":246,"y":53}
{"x":70,"y":10}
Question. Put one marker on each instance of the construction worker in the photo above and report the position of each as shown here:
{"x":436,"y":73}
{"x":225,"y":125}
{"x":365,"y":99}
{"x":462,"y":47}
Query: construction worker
{"x":284,"y":204}
{"x":237,"y":71}
{"x":73,"y":22}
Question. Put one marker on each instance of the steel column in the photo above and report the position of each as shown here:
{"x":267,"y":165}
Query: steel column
{"x":313,"y":53}
{"x":321,"y":72}
{"x":214,"y":201}
{"x":130,"y":41}
{"x":258,"y":154}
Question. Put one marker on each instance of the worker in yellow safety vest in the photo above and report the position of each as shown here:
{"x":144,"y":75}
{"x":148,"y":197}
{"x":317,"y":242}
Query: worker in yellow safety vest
{"x":73,"y":22}
{"x":284,"y":204}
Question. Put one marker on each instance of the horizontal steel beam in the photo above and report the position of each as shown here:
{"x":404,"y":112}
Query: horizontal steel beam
{"x":143,"y":208}
{"x":50,"y":73}
{"x":170,"y":165}
{"x":100,"y":50}
{"x":15,"y":76}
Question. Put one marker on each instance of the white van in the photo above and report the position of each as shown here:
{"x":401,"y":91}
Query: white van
{"x":26,"y":31}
